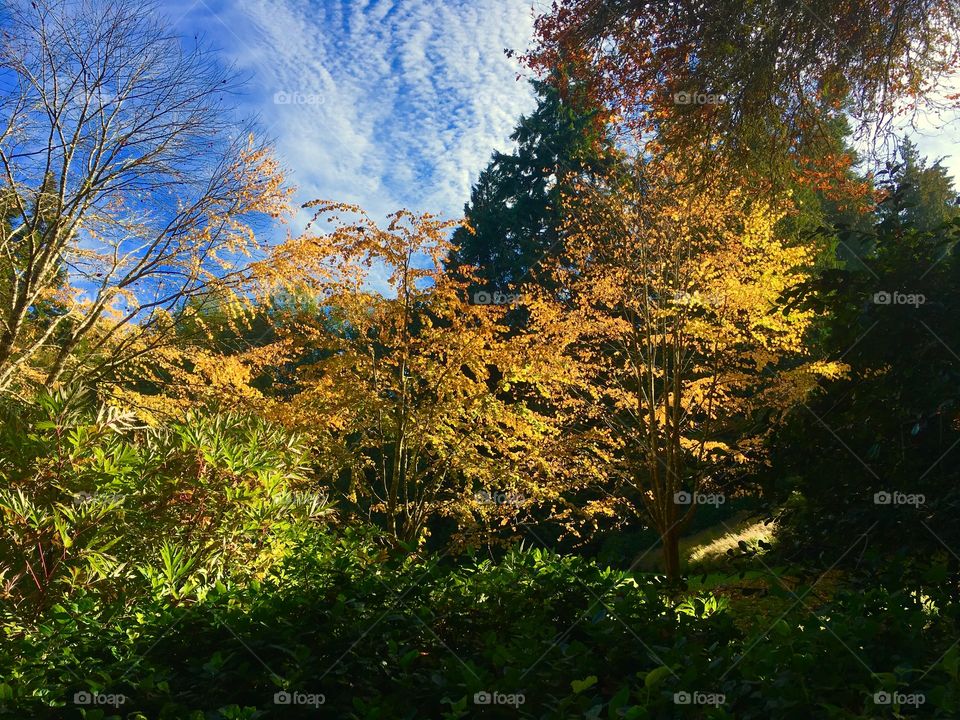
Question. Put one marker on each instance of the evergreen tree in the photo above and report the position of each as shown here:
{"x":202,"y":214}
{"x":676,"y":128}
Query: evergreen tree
{"x":926,"y":196}
{"x":891,"y":422}
{"x":515,"y":209}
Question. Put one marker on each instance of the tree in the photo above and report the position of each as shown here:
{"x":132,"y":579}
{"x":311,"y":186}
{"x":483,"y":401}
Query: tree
{"x":416,"y":399}
{"x":128,"y":185}
{"x":675,"y":323}
{"x":925,"y":196}
{"x":891,"y":423}
{"x":751,"y":79}
{"x":515,"y":211}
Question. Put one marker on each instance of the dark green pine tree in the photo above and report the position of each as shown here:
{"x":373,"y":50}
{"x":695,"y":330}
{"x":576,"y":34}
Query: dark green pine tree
{"x":515,"y":207}
{"x":892,"y":422}
{"x":926,"y":196}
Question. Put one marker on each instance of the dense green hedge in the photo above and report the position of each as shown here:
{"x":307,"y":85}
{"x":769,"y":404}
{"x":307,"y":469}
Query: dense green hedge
{"x":384,"y":637}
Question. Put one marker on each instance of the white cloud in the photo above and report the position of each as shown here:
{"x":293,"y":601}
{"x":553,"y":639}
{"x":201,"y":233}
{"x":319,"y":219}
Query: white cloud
{"x":937,"y":133}
{"x":414,"y":95}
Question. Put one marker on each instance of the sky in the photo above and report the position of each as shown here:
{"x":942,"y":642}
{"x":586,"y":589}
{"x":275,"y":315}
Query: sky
{"x":394,"y":103}
{"x":937,"y":134}
{"x":383,"y":103}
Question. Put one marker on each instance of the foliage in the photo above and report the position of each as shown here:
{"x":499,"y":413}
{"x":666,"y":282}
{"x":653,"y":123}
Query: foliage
{"x":381,"y":637}
{"x":675,"y":320}
{"x":514,"y":219}
{"x":108,"y":224}
{"x":759,"y":82}
{"x":242,"y":478}
{"x":93,"y":501}
{"x":888,"y":426}
{"x":416,"y":399}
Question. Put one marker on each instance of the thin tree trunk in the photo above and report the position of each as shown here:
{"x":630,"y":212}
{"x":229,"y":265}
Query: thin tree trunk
{"x":671,"y":553}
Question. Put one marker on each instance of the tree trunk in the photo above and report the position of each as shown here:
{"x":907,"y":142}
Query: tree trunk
{"x":9,"y":338}
{"x":671,"y":553}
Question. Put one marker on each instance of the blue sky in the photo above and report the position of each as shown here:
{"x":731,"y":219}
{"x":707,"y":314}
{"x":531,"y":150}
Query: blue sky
{"x":385,"y":103}
{"x":394,"y":103}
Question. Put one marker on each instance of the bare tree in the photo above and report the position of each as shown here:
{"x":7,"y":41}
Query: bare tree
{"x":129,"y":186}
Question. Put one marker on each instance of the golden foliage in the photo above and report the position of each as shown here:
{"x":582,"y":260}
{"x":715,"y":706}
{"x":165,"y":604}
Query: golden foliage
{"x":672,"y":316}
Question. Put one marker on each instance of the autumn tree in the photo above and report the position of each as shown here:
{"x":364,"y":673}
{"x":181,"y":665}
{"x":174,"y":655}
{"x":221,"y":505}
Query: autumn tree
{"x":128,"y":187}
{"x":757,"y":81}
{"x":416,"y":399}
{"x":676,"y":327}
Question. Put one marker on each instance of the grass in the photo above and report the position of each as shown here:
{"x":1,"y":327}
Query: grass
{"x":711,"y":544}
{"x":707,"y":548}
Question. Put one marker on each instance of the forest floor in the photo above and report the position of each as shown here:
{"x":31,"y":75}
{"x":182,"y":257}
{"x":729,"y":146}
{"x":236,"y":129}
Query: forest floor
{"x":758,"y":594}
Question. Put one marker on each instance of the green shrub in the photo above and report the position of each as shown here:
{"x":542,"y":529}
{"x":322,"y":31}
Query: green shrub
{"x":401,"y":637}
{"x":91,"y":500}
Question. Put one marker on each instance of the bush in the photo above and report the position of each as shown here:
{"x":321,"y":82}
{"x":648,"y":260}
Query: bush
{"x":93,"y":501}
{"x":400,"y":637}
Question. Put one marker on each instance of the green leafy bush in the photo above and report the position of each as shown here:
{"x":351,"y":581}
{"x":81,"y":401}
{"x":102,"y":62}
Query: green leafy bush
{"x":92,"y":500}
{"x":539,"y":635}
